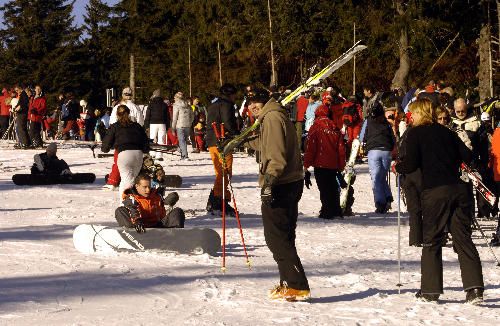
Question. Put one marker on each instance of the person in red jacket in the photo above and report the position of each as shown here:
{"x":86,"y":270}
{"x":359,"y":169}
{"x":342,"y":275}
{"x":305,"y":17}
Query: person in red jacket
{"x":353,"y":120}
{"x":36,"y":113}
{"x":301,"y":104}
{"x":325,"y":151}
{"x":4,"y":111}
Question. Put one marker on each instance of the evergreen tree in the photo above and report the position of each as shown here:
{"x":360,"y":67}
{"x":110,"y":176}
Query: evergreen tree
{"x":100,"y":59}
{"x":41,"y":45}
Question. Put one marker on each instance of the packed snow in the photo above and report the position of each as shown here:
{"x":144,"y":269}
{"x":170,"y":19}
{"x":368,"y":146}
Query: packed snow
{"x":351,"y":264}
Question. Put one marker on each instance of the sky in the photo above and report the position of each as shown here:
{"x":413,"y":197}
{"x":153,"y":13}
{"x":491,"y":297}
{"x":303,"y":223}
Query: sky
{"x":78,"y":10}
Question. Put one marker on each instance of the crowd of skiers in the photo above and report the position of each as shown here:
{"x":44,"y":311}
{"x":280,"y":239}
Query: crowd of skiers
{"x":324,"y":125}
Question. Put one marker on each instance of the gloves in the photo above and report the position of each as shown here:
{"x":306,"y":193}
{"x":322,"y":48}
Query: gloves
{"x":266,"y":194}
{"x":222,"y":144}
{"x":307,"y":179}
{"x":138,"y":224}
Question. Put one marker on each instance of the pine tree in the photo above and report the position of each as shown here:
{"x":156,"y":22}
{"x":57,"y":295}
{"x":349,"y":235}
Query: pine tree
{"x":41,"y":44}
{"x":97,"y":43}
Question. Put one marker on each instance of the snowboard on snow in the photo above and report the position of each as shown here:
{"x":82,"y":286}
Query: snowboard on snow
{"x":89,"y":238}
{"x":47,"y":179}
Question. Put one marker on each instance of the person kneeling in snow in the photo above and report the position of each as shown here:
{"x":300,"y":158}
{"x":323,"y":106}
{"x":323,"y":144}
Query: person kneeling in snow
{"x":144,"y":207}
{"x":48,"y":163}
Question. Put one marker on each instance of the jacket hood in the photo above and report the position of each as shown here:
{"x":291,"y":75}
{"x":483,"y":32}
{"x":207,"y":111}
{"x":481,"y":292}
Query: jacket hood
{"x":322,"y":111}
{"x":271,"y":105}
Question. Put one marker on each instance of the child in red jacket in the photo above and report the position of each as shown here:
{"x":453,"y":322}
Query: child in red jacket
{"x":325,"y":151}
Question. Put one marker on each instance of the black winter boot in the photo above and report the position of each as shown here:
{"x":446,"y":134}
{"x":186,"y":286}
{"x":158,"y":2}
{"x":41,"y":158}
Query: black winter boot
{"x":474,"y":296}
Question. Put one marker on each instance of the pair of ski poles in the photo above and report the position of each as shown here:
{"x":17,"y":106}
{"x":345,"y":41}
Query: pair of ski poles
{"x":220,"y":135}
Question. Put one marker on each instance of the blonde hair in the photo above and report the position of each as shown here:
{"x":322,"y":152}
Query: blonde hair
{"x":426,"y":111}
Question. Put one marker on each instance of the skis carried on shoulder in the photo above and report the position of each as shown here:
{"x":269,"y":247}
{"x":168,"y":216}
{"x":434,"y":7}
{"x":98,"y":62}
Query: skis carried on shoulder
{"x":479,"y":185}
{"x":325,"y":72}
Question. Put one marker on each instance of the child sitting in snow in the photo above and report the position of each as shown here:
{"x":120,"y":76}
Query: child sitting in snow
{"x":48,"y":163}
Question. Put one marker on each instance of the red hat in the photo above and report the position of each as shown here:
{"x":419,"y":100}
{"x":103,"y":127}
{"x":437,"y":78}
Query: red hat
{"x":326,"y":97}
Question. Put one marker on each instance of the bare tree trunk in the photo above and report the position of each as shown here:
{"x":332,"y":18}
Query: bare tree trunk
{"x":484,"y":73}
{"x":400,"y":79}
{"x":132,"y":75}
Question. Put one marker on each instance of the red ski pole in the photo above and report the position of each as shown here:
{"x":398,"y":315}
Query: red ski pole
{"x":239,"y":224}
{"x":218,"y":135}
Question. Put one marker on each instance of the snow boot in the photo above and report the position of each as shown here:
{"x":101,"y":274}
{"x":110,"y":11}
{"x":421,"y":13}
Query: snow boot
{"x":474,"y":296}
{"x":427,"y":297}
{"x":213,"y":203}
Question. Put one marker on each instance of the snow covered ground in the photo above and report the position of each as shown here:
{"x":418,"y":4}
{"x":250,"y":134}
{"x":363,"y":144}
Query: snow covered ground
{"x":351,"y":264}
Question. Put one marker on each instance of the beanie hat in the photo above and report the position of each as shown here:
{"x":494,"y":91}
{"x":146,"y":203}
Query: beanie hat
{"x":258,"y":95}
{"x":52,"y":147}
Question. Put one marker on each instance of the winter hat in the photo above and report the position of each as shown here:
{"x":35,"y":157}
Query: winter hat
{"x":485,"y":116}
{"x":258,"y":95}
{"x":127,"y":91}
{"x":227,"y":89}
{"x":51,"y":148}
{"x":322,"y":111}
{"x":326,"y":97}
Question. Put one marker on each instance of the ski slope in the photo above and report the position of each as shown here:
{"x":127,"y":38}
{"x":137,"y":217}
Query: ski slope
{"x":351,"y":264}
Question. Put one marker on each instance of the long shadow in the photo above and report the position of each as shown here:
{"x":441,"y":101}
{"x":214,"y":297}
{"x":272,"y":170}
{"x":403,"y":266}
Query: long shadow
{"x":33,"y":233}
{"x":25,"y":209}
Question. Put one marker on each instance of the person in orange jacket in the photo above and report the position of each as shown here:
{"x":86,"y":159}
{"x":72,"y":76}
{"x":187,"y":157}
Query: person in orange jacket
{"x":495,"y":165}
{"x":144,"y":207}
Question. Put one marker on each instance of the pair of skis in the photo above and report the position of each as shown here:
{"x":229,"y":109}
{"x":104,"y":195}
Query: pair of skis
{"x":304,"y":87}
{"x":479,"y":185}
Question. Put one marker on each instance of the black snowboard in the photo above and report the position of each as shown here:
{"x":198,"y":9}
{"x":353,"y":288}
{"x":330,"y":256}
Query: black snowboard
{"x":89,"y":238}
{"x":45,"y":179}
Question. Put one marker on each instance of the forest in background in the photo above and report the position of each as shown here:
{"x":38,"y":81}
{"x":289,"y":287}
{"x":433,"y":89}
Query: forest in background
{"x":40,"y":43}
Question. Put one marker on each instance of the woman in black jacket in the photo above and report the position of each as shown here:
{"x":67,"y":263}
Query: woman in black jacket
{"x":131,"y":141}
{"x":438,"y":153}
{"x":380,"y":141}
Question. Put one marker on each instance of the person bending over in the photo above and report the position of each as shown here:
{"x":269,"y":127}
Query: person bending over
{"x":144,"y":207}
{"x":49,"y":163}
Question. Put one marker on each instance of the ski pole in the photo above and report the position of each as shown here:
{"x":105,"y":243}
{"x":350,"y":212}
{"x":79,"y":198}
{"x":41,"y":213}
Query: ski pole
{"x":485,"y":239}
{"x":399,"y":235}
{"x":222,"y":159}
{"x":239,"y":223}
{"x":6,"y":133}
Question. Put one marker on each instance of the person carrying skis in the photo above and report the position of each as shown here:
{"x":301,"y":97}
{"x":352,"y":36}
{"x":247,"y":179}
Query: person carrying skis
{"x":144,"y":207}
{"x":48,"y":163}
{"x":281,"y":181}
{"x":129,"y":139}
{"x":438,"y":153}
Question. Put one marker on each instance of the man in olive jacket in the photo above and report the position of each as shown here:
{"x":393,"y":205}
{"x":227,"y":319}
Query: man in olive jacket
{"x":281,"y":179}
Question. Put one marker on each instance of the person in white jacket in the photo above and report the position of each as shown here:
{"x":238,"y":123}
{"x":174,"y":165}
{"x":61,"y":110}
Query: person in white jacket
{"x":113,"y":179}
{"x":183,"y":117}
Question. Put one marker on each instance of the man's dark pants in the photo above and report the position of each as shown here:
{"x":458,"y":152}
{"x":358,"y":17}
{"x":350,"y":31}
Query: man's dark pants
{"x":22,"y":129}
{"x":441,"y":206}
{"x":35,"y":133}
{"x":280,"y":222}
